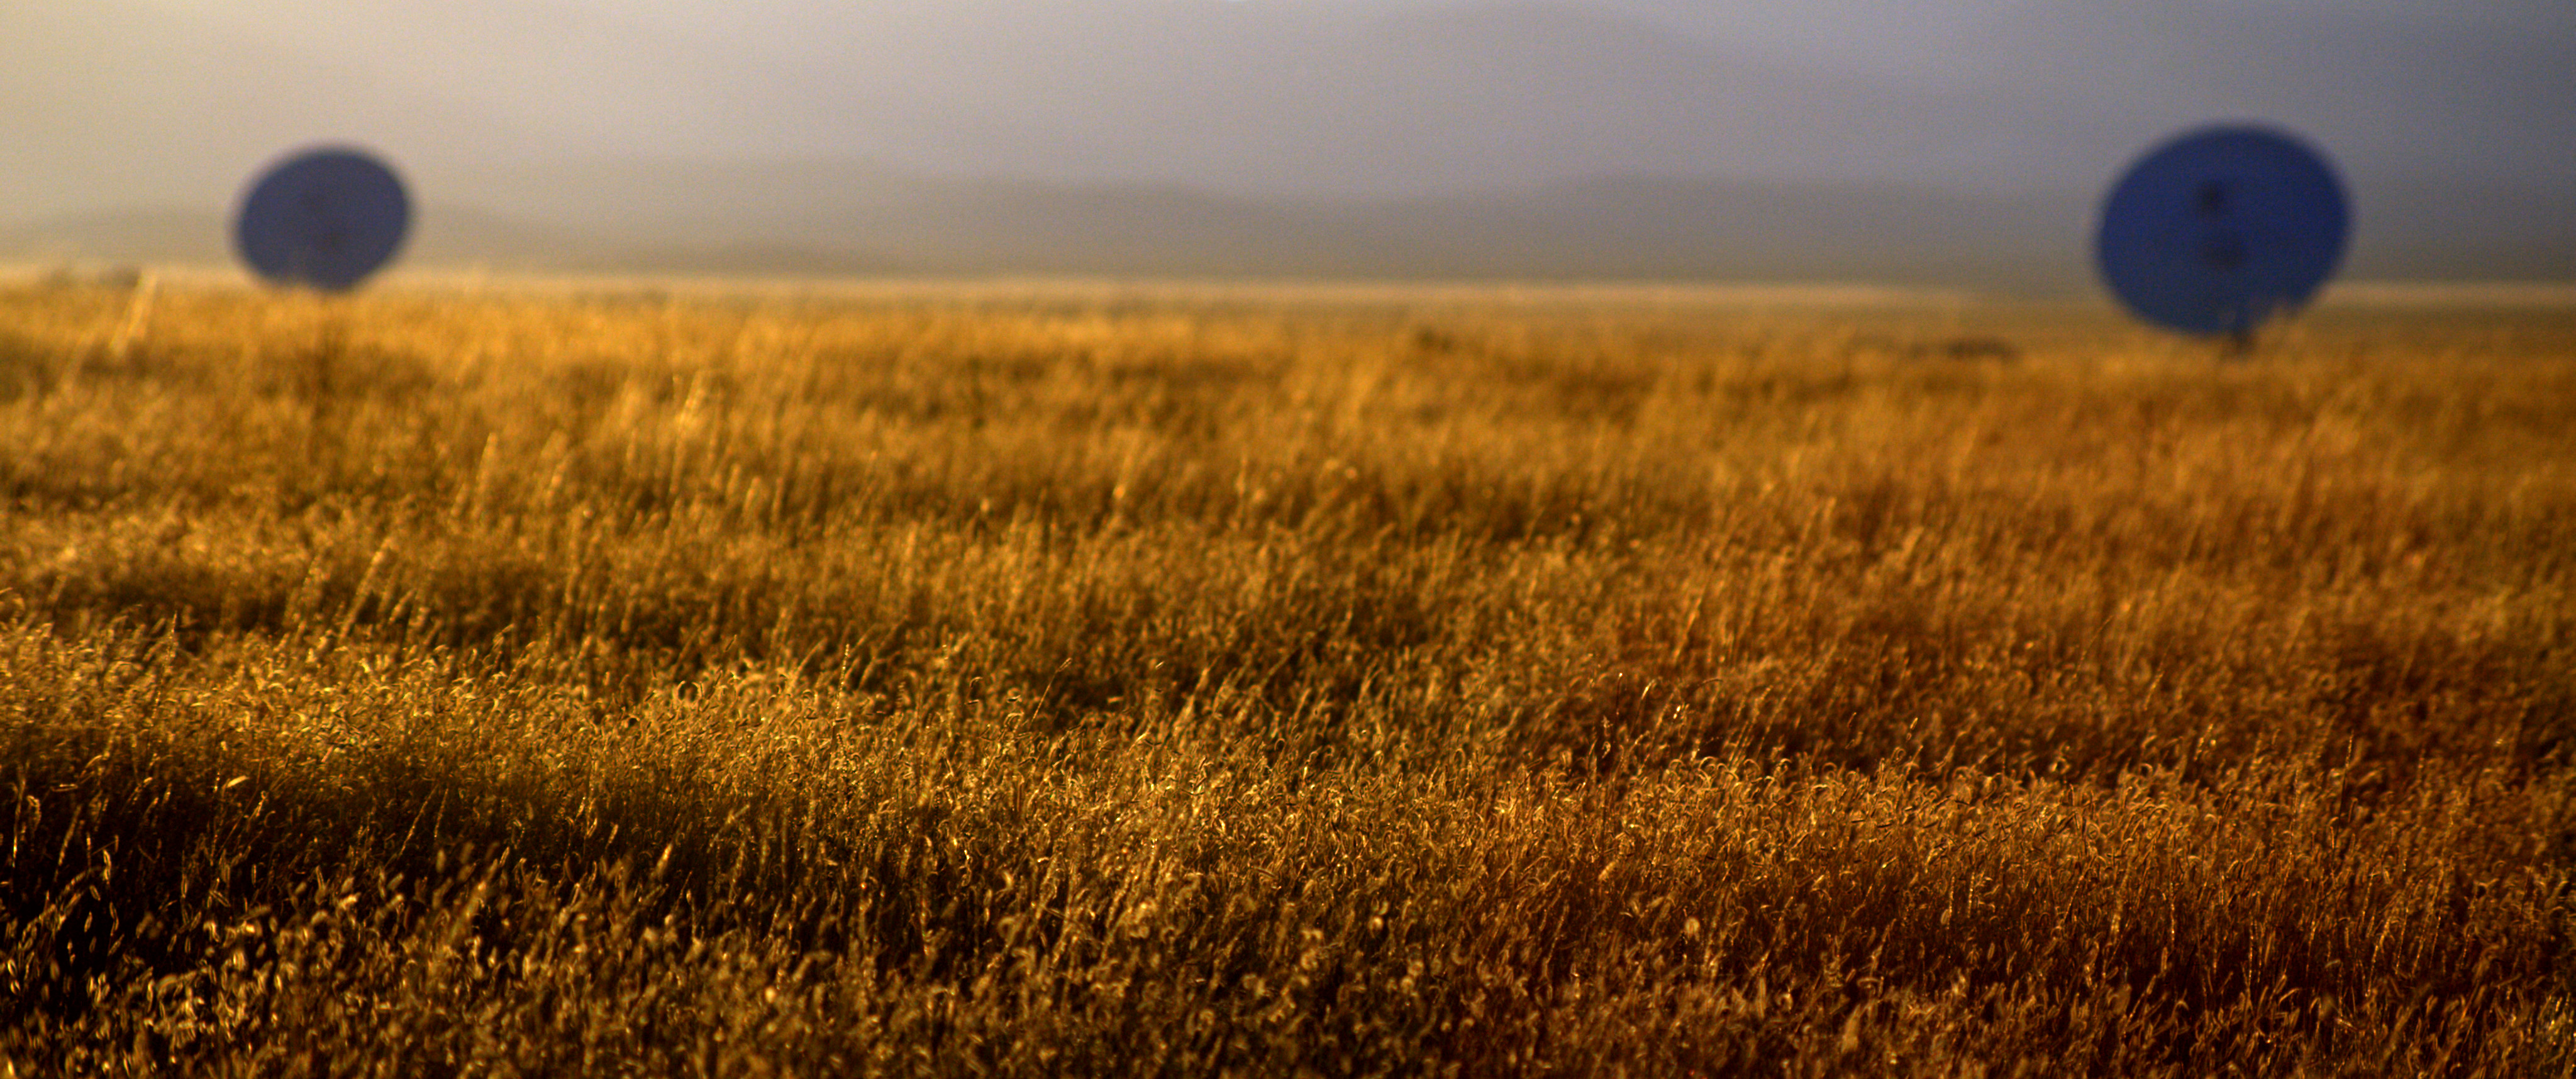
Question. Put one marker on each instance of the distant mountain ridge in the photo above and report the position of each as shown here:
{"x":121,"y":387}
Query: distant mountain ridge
{"x":445,"y":237}
{"x":854,"y":219}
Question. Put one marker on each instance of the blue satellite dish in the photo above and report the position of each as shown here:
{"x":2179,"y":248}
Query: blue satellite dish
{"x":2220,"y":229}
{"x":322,"y":218}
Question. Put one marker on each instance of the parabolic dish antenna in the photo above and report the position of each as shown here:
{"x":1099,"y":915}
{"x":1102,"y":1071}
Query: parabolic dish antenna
{"x":2222,"y":228}
{"x":323,"y":218}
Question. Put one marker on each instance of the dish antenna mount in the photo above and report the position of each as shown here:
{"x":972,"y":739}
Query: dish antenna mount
{"x":324,"y":218}
{"x":2220,"y":229}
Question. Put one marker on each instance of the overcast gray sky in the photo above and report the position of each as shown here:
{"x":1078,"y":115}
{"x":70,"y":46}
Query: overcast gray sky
{"x":118,"y":102}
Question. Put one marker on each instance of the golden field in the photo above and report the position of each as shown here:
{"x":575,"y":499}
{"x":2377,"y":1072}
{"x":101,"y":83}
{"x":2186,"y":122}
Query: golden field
{"x":1034,"y":680}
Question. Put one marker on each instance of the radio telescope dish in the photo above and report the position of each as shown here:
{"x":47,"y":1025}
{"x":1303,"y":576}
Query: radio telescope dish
{"x":2220,"y":229}
{"x":322,"y":218}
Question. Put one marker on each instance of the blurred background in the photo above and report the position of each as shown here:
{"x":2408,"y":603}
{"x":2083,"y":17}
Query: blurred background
{"x":1961,"y":143}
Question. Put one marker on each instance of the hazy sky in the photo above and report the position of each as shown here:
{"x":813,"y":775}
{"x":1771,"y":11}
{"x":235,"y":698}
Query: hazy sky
{"x":115,"y":102}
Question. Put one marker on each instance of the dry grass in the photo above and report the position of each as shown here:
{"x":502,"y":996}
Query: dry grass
{"x":1028,"y":683}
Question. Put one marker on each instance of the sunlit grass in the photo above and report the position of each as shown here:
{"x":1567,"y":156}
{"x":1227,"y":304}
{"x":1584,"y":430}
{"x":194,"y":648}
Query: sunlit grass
{"x":532,"y":683}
